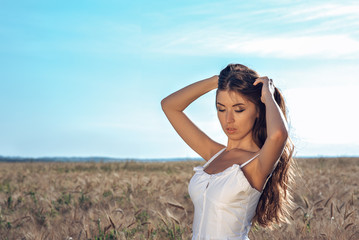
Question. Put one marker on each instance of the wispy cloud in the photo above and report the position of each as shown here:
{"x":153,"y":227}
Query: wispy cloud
{"x":322,"y":11}
{"x":330,"y":46}
{"x":324,"y":31}
{"x":281,"y":46}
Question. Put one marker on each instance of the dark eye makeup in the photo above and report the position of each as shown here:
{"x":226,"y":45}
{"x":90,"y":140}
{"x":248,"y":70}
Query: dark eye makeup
{"x":238,"y":111}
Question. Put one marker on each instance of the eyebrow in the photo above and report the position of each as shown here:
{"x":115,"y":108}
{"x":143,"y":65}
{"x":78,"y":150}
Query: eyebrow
{"x":237,"y":104}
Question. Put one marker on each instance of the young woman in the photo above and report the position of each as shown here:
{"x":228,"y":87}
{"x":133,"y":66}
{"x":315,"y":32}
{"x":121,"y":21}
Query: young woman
{"x":246,"y":181}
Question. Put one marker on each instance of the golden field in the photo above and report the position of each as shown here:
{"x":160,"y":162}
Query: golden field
{"x":131,"y":200}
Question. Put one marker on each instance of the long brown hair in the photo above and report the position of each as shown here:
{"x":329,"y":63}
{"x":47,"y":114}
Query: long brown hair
{"x":275,"y":202}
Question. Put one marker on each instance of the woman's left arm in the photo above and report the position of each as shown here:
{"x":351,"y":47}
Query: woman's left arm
{"x":277,"y":129}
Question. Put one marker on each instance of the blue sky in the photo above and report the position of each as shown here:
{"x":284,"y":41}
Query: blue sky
{"x":85,"y":78}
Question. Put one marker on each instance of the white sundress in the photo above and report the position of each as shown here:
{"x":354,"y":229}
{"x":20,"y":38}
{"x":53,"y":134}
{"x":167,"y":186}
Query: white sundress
{"x":224,"y":203}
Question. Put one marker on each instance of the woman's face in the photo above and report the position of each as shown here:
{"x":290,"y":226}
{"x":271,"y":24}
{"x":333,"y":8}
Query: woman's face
{"x":236,"y":114}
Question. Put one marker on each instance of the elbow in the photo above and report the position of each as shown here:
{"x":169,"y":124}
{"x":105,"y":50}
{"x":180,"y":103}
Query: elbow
{"x":164,"y":104}
{"x":284,"y":136}
{"x":280,"y":135}
{"x":167,"y":105}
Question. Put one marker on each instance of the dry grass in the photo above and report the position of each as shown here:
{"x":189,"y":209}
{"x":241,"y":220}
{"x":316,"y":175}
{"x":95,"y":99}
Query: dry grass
{"x":150,"y":201}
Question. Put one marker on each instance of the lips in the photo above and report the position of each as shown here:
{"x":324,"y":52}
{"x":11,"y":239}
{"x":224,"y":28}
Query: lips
{"x":231,"y":130}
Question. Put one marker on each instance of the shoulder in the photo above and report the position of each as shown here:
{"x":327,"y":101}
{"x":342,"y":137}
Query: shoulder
{"x":251,"y":169}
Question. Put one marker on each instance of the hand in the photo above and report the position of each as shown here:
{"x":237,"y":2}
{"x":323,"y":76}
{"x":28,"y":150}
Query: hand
{"x":214,"y":80}
{"x":267,"y":88}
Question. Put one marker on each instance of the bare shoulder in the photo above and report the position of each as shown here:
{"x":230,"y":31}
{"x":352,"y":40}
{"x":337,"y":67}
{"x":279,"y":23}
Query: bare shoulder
{"x":250,"y":170}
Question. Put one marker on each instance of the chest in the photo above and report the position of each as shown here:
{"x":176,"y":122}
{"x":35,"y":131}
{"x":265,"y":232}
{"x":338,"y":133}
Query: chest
{"x":226,"y":160}
{"x":219,"y":165}
{"x":227,"y":187}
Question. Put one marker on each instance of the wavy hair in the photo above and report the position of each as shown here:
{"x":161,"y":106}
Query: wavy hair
{"x":275,"y":203}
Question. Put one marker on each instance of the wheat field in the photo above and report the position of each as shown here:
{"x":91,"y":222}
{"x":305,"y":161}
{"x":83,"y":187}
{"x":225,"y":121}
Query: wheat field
{"x":132,"y":200}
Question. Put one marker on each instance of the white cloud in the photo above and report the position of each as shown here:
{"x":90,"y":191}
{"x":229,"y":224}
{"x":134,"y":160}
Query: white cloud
{"x":308,"y":13}
{"x":280,"y":46}
{"x":330,"y":46}
{"x":322,"y":31}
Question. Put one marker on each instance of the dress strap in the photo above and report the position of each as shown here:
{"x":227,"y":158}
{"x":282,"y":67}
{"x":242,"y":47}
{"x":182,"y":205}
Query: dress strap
{"x":212,"y":158}
{"x":249,"y":160}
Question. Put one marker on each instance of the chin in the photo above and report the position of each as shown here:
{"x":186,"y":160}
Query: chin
{"x":234,"y":137}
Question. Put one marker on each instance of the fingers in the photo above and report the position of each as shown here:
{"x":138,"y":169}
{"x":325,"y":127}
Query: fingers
{"x":258,"y":80}
{"x":263,"y":80}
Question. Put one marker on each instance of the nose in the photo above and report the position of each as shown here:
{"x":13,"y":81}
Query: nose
{"x":229,"y":117}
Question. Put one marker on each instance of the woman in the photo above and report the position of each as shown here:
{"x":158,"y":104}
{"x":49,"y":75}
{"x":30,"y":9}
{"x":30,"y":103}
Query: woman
{"x":247,"y":180}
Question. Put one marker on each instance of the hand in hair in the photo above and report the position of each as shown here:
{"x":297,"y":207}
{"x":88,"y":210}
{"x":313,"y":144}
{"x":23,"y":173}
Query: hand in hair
{"x":267,"y":88}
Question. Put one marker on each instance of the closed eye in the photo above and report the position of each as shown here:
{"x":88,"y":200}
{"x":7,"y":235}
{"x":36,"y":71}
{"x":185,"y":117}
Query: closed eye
{"x":238,"y":111}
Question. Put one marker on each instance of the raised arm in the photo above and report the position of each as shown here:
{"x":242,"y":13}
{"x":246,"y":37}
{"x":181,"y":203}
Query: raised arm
{"x":277,"y":129}
{"x":173,"y":106}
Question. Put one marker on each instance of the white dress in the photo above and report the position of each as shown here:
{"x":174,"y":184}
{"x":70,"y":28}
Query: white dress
{"x":224,"y":203}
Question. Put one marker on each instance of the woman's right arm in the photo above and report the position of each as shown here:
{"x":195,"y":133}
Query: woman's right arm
{"x":173,"y":106}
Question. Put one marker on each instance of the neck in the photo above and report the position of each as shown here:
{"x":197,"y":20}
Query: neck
{"x":246,"y":144}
